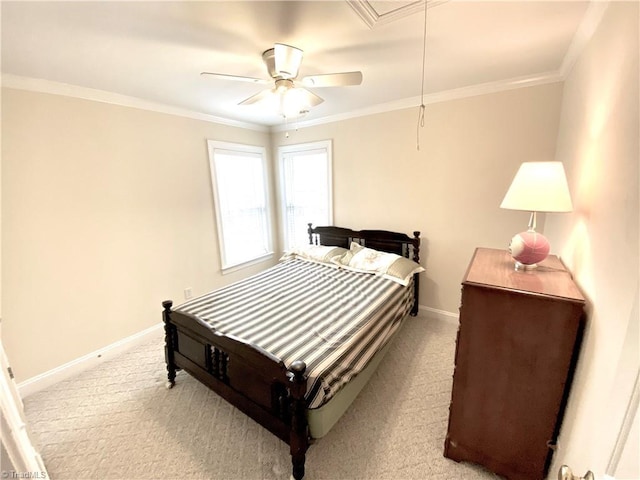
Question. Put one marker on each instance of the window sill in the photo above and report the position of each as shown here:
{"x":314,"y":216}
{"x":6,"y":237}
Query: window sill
{"x":248,"y":263}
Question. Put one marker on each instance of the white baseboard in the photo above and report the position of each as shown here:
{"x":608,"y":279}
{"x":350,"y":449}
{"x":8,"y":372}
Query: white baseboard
{"x":74,"y":367}
{"x":449,"y":317}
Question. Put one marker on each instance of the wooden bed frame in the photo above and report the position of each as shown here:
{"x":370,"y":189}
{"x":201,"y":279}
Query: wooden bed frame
{"x":252,"y":379}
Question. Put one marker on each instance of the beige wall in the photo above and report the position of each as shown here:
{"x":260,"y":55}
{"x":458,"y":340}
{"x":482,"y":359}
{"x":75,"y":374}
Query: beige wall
{"x":598,"y":142}
{"x":107,"y":211}
{"x":451,"y":188}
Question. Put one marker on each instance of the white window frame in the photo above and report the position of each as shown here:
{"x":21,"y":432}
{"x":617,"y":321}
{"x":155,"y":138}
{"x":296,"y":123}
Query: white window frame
{"x":283,"y":152}
{"x":238,"y":148}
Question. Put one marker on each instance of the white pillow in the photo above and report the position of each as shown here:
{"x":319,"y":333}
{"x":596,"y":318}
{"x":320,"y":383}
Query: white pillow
{"x":370,"y":260}
{"x":389,"y":265}
{"x":315,"y":253}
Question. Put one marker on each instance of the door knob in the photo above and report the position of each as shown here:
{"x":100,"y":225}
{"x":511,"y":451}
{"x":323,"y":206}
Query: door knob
{"x":565,"y":473}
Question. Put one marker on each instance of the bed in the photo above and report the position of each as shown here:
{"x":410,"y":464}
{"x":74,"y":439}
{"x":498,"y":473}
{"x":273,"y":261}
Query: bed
{"x":292,"y":346}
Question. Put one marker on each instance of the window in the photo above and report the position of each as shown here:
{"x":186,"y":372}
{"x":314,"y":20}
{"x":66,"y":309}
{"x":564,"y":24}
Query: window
{"x":305,"y":175}
{"x":239,"y":180}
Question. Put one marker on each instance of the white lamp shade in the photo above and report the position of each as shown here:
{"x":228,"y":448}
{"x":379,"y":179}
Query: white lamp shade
{"x":539,"y":187}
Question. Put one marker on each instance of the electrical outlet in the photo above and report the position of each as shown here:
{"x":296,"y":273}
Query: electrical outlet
{"x":188,"y":293}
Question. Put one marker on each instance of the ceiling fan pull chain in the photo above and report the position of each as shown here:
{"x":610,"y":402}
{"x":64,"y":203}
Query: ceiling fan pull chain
{"x":424,"y":58}
{"x":420,"y":124}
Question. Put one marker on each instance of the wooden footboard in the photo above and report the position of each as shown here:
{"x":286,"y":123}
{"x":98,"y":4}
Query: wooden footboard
{"x":251,"y":378}
{"x":247,"y":376}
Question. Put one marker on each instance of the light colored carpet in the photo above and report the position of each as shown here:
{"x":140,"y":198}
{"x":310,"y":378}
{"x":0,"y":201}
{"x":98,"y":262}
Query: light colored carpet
{"x":118,"y":421}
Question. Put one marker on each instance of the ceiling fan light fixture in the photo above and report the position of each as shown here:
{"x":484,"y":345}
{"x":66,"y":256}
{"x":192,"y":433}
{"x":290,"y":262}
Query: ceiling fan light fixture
{"x":283,"y":84}
{"x":292,"y":102}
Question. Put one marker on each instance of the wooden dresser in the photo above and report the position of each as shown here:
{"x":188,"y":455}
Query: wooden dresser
{"x":517,"y":345}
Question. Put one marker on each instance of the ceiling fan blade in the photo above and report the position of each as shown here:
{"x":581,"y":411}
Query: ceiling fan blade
{"x":344,"y":79}
{"x":287,"y":60}
{"x":311,"y":99}
{"x":258,"y":97}
{"x":239,"y":78}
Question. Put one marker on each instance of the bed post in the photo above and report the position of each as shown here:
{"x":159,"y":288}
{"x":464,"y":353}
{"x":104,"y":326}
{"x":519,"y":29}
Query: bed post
{"x":416,"y":258}
{"x":168,"y":343}
{"x":299,"y":439}
{"x":310,"y":232}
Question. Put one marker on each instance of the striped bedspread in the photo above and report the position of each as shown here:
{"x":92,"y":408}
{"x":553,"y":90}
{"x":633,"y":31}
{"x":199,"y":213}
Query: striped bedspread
{"x":332,"y":319}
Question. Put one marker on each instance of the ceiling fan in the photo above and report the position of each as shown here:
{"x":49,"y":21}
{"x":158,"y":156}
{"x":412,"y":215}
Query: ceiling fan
{"x":283,"y":63}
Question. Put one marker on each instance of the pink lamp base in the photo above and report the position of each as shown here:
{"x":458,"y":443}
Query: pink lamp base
{"x":528,"y":249}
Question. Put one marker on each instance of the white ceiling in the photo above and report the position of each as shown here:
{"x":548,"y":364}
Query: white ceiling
{"x":155,"y":51}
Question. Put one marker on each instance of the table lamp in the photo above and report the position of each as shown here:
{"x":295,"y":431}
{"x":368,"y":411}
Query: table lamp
{"x":537,"y":187}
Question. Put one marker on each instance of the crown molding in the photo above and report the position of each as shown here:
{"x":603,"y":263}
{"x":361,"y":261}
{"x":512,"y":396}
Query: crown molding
{"x":369,"y":15}
{"x":590,"y":21}
{"x":444,"y":96}
{"x":56,"y":88}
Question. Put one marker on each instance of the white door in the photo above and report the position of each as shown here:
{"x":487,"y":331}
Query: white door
{"x":23,"y":458}
{"x":624,"y":461}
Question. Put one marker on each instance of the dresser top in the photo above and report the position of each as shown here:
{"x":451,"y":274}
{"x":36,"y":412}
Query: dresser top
{"x":495,"y":268}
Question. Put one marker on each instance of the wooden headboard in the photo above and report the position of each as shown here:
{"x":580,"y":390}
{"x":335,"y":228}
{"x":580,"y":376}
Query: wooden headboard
{"x":383,"y":240}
